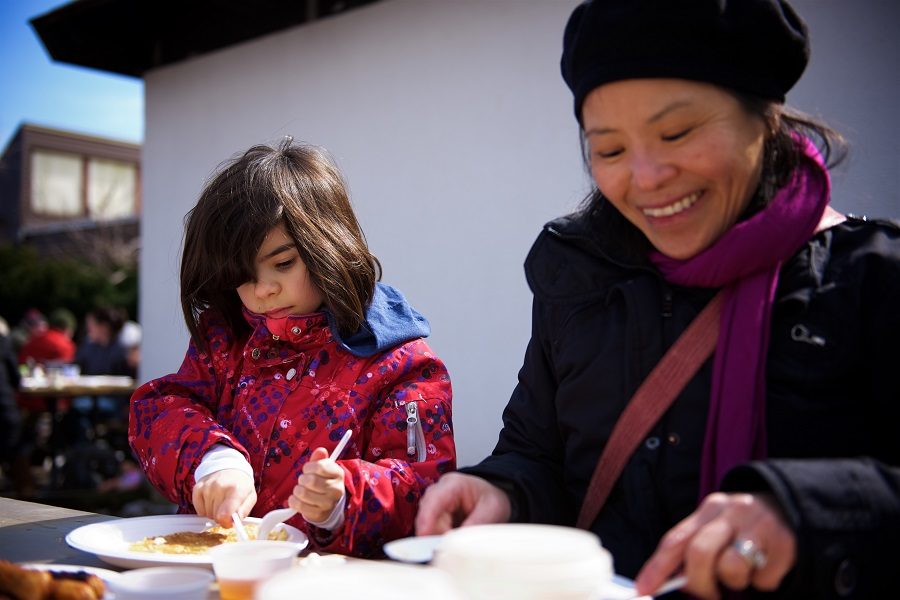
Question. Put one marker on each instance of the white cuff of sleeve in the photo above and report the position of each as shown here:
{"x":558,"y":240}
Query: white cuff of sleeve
{"x":336,"y":518}
{"x":220,"y":457}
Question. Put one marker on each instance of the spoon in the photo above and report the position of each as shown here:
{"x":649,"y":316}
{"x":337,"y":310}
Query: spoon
{"x":676,"y":583}
{"x":239,"y":527}
{"x":280,"y":515}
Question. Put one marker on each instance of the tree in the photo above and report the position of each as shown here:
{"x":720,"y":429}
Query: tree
{"x":30,"y":281}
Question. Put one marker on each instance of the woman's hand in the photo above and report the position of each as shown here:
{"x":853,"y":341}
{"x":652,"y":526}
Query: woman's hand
{"x":459,"y":500}
{"x":319,"y":488}
{"x":222,"y":493}
{"x":737,"y":540}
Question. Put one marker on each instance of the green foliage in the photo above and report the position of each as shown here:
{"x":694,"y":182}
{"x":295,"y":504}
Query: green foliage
{"x":30,"y":281}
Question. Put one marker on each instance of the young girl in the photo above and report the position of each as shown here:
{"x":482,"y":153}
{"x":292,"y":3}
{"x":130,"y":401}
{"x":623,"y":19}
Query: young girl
{"x":292,"y":343}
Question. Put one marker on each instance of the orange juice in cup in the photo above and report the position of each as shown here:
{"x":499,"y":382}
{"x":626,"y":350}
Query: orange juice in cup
{"x":241,"y":566}
{"x":237,"y":589}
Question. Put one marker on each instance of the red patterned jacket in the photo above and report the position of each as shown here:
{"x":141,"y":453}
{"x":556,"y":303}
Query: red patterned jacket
{"x":276,"y":398}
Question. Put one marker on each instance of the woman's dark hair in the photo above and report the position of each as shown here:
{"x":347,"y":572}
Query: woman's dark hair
{"x":298,"y":186}
{"x":781,"y":154}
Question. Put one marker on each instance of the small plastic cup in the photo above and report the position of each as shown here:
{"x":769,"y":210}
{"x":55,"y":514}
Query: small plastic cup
{"x":241,"y":566}
{"x":169,"y":583}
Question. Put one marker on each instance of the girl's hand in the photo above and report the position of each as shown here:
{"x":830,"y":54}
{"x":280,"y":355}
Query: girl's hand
{"x":222,"y":493}
{"x":706,"y":547}
{"x":319,"y":488}
{"x":457,"y":500}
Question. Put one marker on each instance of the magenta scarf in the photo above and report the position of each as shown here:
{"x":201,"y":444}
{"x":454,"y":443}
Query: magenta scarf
{"x":745,"y":261}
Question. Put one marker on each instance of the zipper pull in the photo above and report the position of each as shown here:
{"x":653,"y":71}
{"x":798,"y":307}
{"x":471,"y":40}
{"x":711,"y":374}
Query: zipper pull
{"x":412,"y":417}
{"x":800,"y":333}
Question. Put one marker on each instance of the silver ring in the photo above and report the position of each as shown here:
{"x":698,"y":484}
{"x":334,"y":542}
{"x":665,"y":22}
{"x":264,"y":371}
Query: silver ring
{"x":755,"y":557}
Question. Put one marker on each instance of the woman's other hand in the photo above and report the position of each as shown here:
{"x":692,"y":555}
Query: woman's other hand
{"x":736,"y":540}
{"x":319,"y":488}
{"x":459,"y":500}
{"x":222,"y":493}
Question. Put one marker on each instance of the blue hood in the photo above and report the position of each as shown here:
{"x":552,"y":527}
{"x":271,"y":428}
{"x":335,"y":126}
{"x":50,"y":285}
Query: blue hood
{"x":390,"y":321}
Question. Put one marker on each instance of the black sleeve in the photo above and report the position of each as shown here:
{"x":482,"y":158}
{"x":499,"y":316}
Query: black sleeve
{"x":846,"y":516}
{"x":528,"y":459}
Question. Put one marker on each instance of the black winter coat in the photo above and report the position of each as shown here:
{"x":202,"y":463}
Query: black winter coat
{"x":603,"y":317}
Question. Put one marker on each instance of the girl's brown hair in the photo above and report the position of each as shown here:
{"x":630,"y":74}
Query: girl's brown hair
{"x":296,"y":185}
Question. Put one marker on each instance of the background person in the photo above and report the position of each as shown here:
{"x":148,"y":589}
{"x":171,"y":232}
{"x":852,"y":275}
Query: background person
{"x":775,"y":469}
{"x":293,"y":342}
{"x":33,"y":322}
{"x":101,"y":352}
{"x":51,"y":344}
{"x":10,"y":417}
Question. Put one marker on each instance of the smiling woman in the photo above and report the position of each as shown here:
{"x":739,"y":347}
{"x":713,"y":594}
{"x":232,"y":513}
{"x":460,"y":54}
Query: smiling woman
{"x":710,"y":214}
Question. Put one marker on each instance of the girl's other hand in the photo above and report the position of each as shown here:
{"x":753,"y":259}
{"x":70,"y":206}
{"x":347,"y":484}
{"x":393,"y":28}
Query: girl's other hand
{"x":319,"y":488}
{"x":458,"y":500}
{"x":222,"y":493}
{"x":707,"y":547}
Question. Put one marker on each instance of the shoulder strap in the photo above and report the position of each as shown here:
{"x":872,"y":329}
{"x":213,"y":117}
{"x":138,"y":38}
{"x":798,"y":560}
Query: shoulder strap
{"x":650,"y":401}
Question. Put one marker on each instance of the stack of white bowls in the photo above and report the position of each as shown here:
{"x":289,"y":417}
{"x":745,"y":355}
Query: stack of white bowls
{"x":525,"y":562}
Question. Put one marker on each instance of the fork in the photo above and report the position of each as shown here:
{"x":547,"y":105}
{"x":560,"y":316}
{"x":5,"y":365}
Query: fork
{"x":275,"y":517}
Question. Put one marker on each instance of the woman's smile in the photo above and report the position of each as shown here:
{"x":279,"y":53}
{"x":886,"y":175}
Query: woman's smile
{"x":679,"y":159}
{"x":671,"y":209}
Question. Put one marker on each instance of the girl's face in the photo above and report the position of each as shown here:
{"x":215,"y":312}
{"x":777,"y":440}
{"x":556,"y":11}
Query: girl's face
{"x":679,"y":159}
{"x":282,"y":285}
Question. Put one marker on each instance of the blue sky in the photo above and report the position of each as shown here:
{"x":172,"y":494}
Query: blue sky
{"x":36,"y":90}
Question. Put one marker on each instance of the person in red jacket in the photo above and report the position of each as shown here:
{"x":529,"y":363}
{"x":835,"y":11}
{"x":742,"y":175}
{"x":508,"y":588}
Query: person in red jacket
{"x":50,"y":340}
{"x":293,"y":342}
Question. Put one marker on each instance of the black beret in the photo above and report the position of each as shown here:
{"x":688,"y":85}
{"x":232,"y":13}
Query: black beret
{"x":759,"y":47}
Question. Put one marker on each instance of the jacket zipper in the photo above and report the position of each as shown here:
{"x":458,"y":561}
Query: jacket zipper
{"x":415,"y":437}
{"x":667,"y":301}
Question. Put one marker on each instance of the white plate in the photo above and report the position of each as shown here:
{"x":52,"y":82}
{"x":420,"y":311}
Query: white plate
{"x":105,"y":574}
{"x":413,"y":549}
{"x":109,"y":540}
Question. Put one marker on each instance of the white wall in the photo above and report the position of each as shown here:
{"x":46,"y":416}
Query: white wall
{"x":852,"y":82}
{"x":455,"y":132}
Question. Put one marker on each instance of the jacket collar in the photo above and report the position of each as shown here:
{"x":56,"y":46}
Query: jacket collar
{"x":601,"y":230}
{"x":275,"y":341}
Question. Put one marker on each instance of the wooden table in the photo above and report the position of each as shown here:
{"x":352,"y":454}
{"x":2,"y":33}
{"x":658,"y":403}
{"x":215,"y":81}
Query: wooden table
{"x":82,"y":385}
{"x":31,"y":532}
{"x":36,"y":533}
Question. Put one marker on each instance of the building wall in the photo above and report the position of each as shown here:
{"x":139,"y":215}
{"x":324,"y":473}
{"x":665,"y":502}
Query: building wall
{"x":47,"y":229}
{"x":455,"y":132}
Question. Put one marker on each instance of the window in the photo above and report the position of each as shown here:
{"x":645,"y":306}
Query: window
{"x":59,"y":189}
{"x":56,"y":184}
{"x":111,"y":189}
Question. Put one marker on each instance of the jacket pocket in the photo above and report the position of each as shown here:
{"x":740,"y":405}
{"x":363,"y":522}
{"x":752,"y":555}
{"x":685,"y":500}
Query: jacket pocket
{"x":415,"y":437}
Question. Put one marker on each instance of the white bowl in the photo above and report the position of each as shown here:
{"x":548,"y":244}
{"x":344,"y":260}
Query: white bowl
{"x":169,"y":583}
{"x":525,"y":562}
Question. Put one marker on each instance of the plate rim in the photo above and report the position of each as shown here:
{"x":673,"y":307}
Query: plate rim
{"x":131,"y":559}
{"x":432,"y":541}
